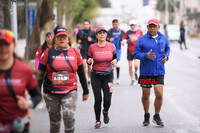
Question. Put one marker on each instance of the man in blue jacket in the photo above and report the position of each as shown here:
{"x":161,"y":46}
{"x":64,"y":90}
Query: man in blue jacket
{"x":152,"y":49}
{"x":115,"y":35}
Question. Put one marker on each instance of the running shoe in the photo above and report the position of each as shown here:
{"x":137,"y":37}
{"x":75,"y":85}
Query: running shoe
{"x":117,"y":81}
{"x":98,"y":124}
{"x":41,"y":105}
{"x":106,"y":117}
{"x":146,"y":119}
{"x":157,"y":120}
{"x":132,"y":82}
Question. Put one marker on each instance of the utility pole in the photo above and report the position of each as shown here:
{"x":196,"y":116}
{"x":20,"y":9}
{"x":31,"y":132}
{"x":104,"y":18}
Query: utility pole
{"x":13,"y":11}
{"x":166,"y":12}
{"x":182,"y":2}
{"x":27,"y":31}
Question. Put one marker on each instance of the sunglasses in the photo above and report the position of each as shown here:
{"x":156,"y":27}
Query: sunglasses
{"x":61,"y":37}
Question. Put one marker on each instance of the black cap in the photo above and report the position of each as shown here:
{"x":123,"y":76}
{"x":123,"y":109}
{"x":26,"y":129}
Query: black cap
{"x":59,"y":30}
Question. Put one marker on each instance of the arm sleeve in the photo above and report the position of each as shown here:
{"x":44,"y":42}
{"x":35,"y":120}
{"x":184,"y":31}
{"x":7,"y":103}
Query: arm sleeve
{"x":82,"y":79}
{"x":36,"y":96}
{"x":33,"y":88}
{"x":138,"y":51}
{"x":42,"y":67}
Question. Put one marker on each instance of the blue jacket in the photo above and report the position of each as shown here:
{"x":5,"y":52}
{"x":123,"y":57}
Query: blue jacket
{"x":144,"y":45}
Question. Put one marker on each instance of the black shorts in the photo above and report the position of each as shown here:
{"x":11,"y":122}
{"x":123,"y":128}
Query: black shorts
{"x":84,"y":53}
{"x":148,"y":81}
{"x":130,"y":56}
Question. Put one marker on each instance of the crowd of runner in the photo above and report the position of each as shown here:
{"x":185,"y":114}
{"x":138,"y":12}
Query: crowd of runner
{"x":95,"y":59}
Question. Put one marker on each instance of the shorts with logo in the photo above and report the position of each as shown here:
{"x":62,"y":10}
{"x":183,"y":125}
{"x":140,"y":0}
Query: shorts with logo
{"x":148,"y":81}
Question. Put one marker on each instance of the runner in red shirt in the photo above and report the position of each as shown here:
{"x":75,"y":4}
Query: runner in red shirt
{"x":132,"y":35}
{"x":58,"y":66}
{"x":15,"y":78}
{"x":47,"y":44}
{"x":103,"y":56}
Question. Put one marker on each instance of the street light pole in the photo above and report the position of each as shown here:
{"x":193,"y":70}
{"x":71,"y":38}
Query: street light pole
{"x":14,"y":18}
{"x":166,"y":12}
{"x":27,"y":31}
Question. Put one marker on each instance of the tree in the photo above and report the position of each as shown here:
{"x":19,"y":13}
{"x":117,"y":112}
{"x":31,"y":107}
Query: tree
{"x":171,"y":5}
{"x":44,"y":15}
{"x":74,"y":12}
{"x":87,"y":10}
{"x":5,"y":22}
{"x":104,"y":3}
{"x":172,"y":8}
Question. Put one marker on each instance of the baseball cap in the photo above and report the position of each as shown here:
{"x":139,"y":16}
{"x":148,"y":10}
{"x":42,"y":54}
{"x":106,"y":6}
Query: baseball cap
{"x":60,"y":31}
{"x":132,"y":22}
{"x":153,"y":21}
{"x":100,"y":29}
{"x":7,"y":35}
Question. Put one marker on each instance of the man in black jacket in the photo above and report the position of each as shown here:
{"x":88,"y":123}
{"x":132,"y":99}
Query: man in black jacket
{"x":85,"y":38}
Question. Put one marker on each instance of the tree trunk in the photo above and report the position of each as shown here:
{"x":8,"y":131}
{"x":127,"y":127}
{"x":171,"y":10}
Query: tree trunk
{"x":44,"y":15}
{"x":5,"y":21}
{"x":60,"y":12}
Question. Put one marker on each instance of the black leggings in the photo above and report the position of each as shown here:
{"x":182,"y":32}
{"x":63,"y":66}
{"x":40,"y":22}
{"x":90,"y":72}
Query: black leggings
{"x":182,"y":41}
{"x":101,"y":82}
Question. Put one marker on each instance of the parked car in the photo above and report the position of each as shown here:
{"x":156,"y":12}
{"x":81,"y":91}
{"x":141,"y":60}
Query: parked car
{"x":173,"y":32}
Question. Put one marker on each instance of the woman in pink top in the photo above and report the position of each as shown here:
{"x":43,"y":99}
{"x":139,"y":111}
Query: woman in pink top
{"x":102,"y":56}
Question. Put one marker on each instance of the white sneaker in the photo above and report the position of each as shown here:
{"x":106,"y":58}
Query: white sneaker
{"x":132,"y":82}
{"x":117,"y":81}
{"x":41,"y":105}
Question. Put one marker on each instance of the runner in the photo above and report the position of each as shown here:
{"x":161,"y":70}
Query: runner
{"x":86,"y":37}
{"x":103,"y":56}
{"x":132,"y":35}
{"x":182,"y":35}
{"x":115,"y":36}
{"x":15,"y":78}
{"x":60,"y":63}
{"x":47,"y":44}
{"x":153,"y":51}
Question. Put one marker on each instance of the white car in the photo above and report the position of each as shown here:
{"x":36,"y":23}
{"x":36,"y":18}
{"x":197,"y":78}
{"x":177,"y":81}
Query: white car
{"x":173,"y":32}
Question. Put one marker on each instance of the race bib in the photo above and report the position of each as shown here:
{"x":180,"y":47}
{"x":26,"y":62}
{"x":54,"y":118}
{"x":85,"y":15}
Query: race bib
{"x":60,"y":78}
